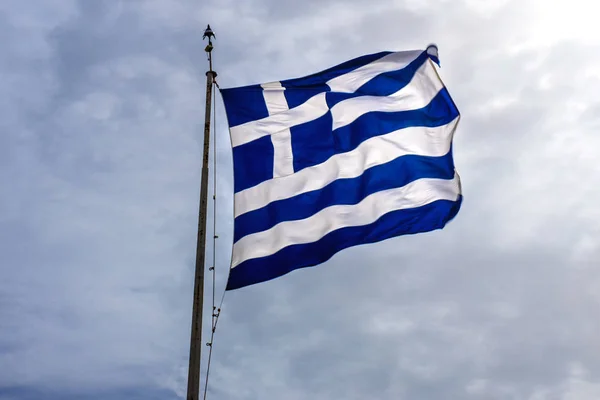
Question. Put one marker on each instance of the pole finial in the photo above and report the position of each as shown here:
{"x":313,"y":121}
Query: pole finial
{"x":208,"y":33}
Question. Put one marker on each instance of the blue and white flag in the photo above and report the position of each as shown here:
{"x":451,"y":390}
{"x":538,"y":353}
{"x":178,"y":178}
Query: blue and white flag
{"x":355,"y":154}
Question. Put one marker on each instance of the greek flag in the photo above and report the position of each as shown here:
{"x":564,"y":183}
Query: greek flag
{"x":355,"y":154}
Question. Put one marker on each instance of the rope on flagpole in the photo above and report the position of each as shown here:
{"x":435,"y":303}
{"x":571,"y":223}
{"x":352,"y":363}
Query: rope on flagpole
{"x":216,"y":311}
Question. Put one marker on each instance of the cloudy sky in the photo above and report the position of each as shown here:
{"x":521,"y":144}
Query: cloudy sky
{"x":100,"y":146}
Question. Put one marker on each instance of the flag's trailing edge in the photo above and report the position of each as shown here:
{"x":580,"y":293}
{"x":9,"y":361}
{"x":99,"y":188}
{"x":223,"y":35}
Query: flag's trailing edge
{"x":355,"y":154}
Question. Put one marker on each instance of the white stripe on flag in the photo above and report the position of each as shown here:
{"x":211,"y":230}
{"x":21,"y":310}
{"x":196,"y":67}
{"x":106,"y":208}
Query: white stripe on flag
{"x":416,"y":194}
{"x":434,"y":142}
{"x":417,"y":94}
{"x":283,"y":157}
{"x":350,"y":82}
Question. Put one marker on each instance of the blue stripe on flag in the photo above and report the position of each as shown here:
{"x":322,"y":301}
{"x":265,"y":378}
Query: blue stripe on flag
{"x":383,"y":84}
{"x":440,"y":111}
{"x":322,"y":77}
{"x":394,"y":174}
{"x":422,"y":219}
{"x":390,"y":82}
{"x":299,"y":90}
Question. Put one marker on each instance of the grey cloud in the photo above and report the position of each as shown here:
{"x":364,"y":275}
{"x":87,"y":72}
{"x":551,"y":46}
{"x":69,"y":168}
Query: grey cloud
{"x":100,"y":153}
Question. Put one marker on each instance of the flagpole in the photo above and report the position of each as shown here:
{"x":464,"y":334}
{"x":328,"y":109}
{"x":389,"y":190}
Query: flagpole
{"x":193,"y":389}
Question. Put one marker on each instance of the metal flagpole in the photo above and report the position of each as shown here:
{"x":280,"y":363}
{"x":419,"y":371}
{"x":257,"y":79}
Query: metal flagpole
{"x":196,"y":335}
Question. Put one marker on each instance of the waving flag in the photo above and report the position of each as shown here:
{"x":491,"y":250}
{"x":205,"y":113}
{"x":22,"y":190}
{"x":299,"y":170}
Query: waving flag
{"x":355,"y":154}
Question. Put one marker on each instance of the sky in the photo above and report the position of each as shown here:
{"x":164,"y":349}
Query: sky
{"x":101,"y":118}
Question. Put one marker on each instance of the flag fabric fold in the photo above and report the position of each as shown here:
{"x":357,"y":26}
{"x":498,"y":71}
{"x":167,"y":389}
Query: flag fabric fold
{"x":355,"y":154}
